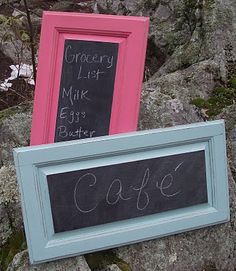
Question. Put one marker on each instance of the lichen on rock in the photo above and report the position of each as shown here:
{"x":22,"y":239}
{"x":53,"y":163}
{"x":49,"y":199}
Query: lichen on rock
{"x":21,"y":263}
{"x":8,"y":186}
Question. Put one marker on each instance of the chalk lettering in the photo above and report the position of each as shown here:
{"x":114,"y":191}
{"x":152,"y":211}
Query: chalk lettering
{"x":167,"y":183}
{"x":75,"y":94}
{"x":78,"y":133}
{"x":141,"y":193}
{"x":83,"y":95}
{"x":71,"y":116}
{"x":82,"y":57}
{"x":68,"y":94}
{"x":91,"y":180}
{"x":118,"y":194}
{"x":63,"y":114}
{"x":62,"y":131}
{"x":69,"y":58}
{"x":95,"y":74}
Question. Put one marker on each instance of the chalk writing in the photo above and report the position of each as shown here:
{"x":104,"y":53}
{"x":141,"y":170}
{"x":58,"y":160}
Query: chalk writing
{"x":70,"y":116}
{"x":91,"y":181}
{"x":75,"y":134}
{"x":116,"y":193}
{"x":75,"y":94}
{"x":94,"y":74}
{"x":77,"y":57}
{"x":86,"y":89}
{"x":167,"y":182}
{"x":98,"y":195}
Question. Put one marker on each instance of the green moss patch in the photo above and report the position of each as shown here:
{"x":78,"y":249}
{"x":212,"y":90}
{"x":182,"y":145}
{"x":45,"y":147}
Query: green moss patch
{"x":15,"y":244}
{"x":232,"y":82}
{"x":221,"y":98}
{"x":100,"y":260}
{"x":210,"y":267}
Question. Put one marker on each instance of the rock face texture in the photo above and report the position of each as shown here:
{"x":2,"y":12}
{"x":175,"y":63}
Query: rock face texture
{"x":20,"y":263}
{"x":191,"y":65}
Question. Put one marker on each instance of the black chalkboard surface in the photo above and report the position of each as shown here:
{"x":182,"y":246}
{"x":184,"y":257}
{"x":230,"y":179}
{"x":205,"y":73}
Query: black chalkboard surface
{"x":105,"y":194}
{"x":86,"y":89}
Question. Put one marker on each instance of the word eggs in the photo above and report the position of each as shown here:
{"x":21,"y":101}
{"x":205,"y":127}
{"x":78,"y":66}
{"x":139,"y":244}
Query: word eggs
{"x":86,"y":89}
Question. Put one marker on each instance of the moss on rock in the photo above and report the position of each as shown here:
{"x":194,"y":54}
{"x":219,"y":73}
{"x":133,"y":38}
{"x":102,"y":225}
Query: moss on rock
{"x":232,"y":82}
{"x":8,"y":186}
{"x":221,"y":97}
{"x":15,"y":244}
{"x":103,"y":259}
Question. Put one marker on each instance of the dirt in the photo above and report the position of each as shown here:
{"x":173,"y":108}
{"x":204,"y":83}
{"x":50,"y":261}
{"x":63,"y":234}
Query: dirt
{"x":5,"y":63}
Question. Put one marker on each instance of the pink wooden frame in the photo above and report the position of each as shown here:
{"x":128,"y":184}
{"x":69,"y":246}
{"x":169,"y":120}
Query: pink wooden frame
{"x":131,"y":35}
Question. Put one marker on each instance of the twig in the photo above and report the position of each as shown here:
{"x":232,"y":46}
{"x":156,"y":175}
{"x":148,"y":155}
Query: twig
{"x":4,"y":102}
{"x":14,"y":91}
{"x":21,"y":12}
{"x":22,"y":96}
{"x":31,"y":38}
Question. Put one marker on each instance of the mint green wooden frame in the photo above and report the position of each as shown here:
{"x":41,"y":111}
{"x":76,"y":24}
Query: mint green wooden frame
{"x":33,"y":164}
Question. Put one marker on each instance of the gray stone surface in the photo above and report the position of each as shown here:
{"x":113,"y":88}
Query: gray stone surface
{"x":229,"y":115}
{"x":74,"y":6}
{"x":112,"y":267}
{"x":14,"y":132}
{"x":21,"y":263}
{"x":13,"y":48}
{"x":168,"y":97}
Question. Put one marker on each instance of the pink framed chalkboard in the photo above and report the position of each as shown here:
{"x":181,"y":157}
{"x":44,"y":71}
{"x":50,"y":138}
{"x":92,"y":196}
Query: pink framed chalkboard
{"x":89,"y":76}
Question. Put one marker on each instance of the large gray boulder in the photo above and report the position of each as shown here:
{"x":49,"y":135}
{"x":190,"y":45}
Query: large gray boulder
{"x":21,"y":263}
{"x":14,"y":131}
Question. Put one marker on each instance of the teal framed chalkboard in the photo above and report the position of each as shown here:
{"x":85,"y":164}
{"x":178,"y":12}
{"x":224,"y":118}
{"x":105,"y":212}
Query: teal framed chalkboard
{"x":92,"y":194}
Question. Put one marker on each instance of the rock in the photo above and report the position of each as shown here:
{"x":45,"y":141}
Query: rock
{"x":229,"y":115}
{"x":63,"y":6}
{"x":168,"y":97}
{"x":8,"y":187}
{"x":15,"y":126}
{"x":2,"y":2}
{"x":209,"y":26}
{"x":14,"y":131}
{"x":112,"y":267}
{"x":5,"y":70}
{"x":163,"y":13}
{"x":107,"y":7}
{"x":186,"y":31}
{"x":11,"y":44}
{"x":21,"y":263}
{"x":34,"y":4}
{"x":36,"y":20}
{"x":72,"y":6}
{"x":5,"y":228}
